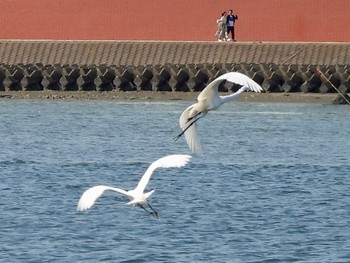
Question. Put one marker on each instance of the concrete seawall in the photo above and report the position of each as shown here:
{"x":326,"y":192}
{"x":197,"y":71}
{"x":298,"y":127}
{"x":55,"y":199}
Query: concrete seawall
{"x":170,"y":66}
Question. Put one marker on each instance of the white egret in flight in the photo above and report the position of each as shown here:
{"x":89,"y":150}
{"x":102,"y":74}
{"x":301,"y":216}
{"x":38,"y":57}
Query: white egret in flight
{"x":209,"y":99}
{"x":136,"y":196}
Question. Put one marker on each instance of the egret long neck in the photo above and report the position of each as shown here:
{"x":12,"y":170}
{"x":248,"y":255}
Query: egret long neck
{"x":233,"y":96}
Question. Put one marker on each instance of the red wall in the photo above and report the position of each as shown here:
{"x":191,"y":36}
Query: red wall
{"x":191,"y":20}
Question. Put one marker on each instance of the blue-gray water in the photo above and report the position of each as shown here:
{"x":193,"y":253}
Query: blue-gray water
{"x":272,"y":186}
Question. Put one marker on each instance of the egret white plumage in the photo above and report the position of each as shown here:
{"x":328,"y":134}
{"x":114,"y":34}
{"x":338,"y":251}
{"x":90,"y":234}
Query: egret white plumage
{"x":137,"y":196}
{"x":209,"y":99}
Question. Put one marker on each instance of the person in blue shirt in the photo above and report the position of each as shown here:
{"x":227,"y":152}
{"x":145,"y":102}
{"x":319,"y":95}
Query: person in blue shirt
{"x":230,"y":20}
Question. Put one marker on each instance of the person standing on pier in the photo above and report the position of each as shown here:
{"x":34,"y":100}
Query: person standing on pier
{"x":230,"y":20}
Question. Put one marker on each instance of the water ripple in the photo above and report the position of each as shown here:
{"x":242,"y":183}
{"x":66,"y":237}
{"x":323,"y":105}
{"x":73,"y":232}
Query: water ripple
{"x":272,"y":185}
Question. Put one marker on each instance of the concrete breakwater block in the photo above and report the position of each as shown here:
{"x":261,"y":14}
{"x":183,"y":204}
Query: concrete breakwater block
{"x":179,"y":78}
{"x":68,"y":81}
{"x":2,"y":77}
{"x":258,"y":77}
{"x":160,"y":80}
{"x":172,"y":77}
{"x":13,"y":77}
{"x":328,"y":86}
{"x":312,"y":84}
{"x":344,"y":87}
{"x":32,"y":80}
{"x":143,"y":78}
{"x":271,"y":85}
{"x":86,"y":79}
{"x":51,"y":78}
{"x":293,"y":83}
{"x":104,"y":78}
{"x":124,"y":79}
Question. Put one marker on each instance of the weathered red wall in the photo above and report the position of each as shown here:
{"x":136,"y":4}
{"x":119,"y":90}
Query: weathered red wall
{"x":259,"y":20}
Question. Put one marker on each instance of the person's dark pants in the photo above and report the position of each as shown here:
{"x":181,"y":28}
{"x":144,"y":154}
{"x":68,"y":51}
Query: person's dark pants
{"x":232,"y":30}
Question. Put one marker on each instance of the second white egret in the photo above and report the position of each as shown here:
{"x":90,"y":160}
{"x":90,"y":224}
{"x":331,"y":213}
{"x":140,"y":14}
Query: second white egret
{"x":136,"y":196}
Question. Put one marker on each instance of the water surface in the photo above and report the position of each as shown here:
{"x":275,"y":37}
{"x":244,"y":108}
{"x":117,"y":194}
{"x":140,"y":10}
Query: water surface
{"x":272,"y":186}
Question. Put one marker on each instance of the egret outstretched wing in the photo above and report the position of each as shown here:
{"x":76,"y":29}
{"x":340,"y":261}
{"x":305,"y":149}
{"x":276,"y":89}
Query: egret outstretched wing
{"x":211,"y":90}
{"x":176,"y":160}
{"x":242,"y":80}
{"x":87,"y":200}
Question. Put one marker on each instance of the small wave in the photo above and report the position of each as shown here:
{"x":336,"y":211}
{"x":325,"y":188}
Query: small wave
{"x":257,"y":113}
{"x":145,"y":102}
{"x":16,"y":161}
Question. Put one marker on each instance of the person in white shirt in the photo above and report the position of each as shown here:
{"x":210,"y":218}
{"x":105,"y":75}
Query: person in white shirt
{"x":221,"y":32}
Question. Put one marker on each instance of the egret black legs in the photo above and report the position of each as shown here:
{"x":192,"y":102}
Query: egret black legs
{"x":188,"y":126}
{"x":152,"y":213}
